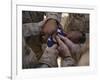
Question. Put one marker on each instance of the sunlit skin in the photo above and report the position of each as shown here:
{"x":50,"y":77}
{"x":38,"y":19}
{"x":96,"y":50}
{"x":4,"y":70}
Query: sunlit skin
{"x":49,"y":27}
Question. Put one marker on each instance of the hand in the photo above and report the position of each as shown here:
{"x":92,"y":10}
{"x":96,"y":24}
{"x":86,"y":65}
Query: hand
{"x":63,"y":48}
{"x":74,"y":48}
{"x":50,"y":26}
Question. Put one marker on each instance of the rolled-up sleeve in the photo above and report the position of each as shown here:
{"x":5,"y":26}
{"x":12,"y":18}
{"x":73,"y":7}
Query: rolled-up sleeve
{"x":69,"y":61}
{"x":54,"y":15}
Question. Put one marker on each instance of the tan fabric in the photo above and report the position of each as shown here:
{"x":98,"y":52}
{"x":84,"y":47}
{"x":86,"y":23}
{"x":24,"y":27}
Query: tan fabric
{"x":32,"y":28}
{"x":69,"y":61}
{"x":84,"y":59}
{"x":56,"y":16}
{"x":31,"y":31}
{"x":79,"y":22}
{"x":49,"y":57}
{"x":28,"y":56}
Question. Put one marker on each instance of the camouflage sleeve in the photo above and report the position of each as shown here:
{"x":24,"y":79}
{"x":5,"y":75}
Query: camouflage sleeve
{"x":28,"y":56}
{"x":69,"y":61}
{"x":31,"y":22}
{"x":53,"y":15}
{"x":34,"y":28}
{"x":29,"y":29}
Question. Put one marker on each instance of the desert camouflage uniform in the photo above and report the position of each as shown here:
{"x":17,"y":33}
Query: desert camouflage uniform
{"x":32,"y":51}
{"x":80,"y":22}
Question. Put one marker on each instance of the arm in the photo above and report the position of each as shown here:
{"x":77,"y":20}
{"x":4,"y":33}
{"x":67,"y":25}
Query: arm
{"x":65,"y":53}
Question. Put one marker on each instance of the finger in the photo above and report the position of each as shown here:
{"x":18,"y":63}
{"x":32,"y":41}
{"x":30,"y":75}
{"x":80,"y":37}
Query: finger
{"x":60,"y":48}
{"x":66,"y":41}
{"x":59,"y":41}
{"x":54,"y":46}
{"x":62,"y":37}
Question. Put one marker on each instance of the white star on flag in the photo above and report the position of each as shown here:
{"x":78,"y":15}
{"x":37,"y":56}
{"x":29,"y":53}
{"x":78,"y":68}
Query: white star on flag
{"x":49,"y":39}
{"x":59,"y":30}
